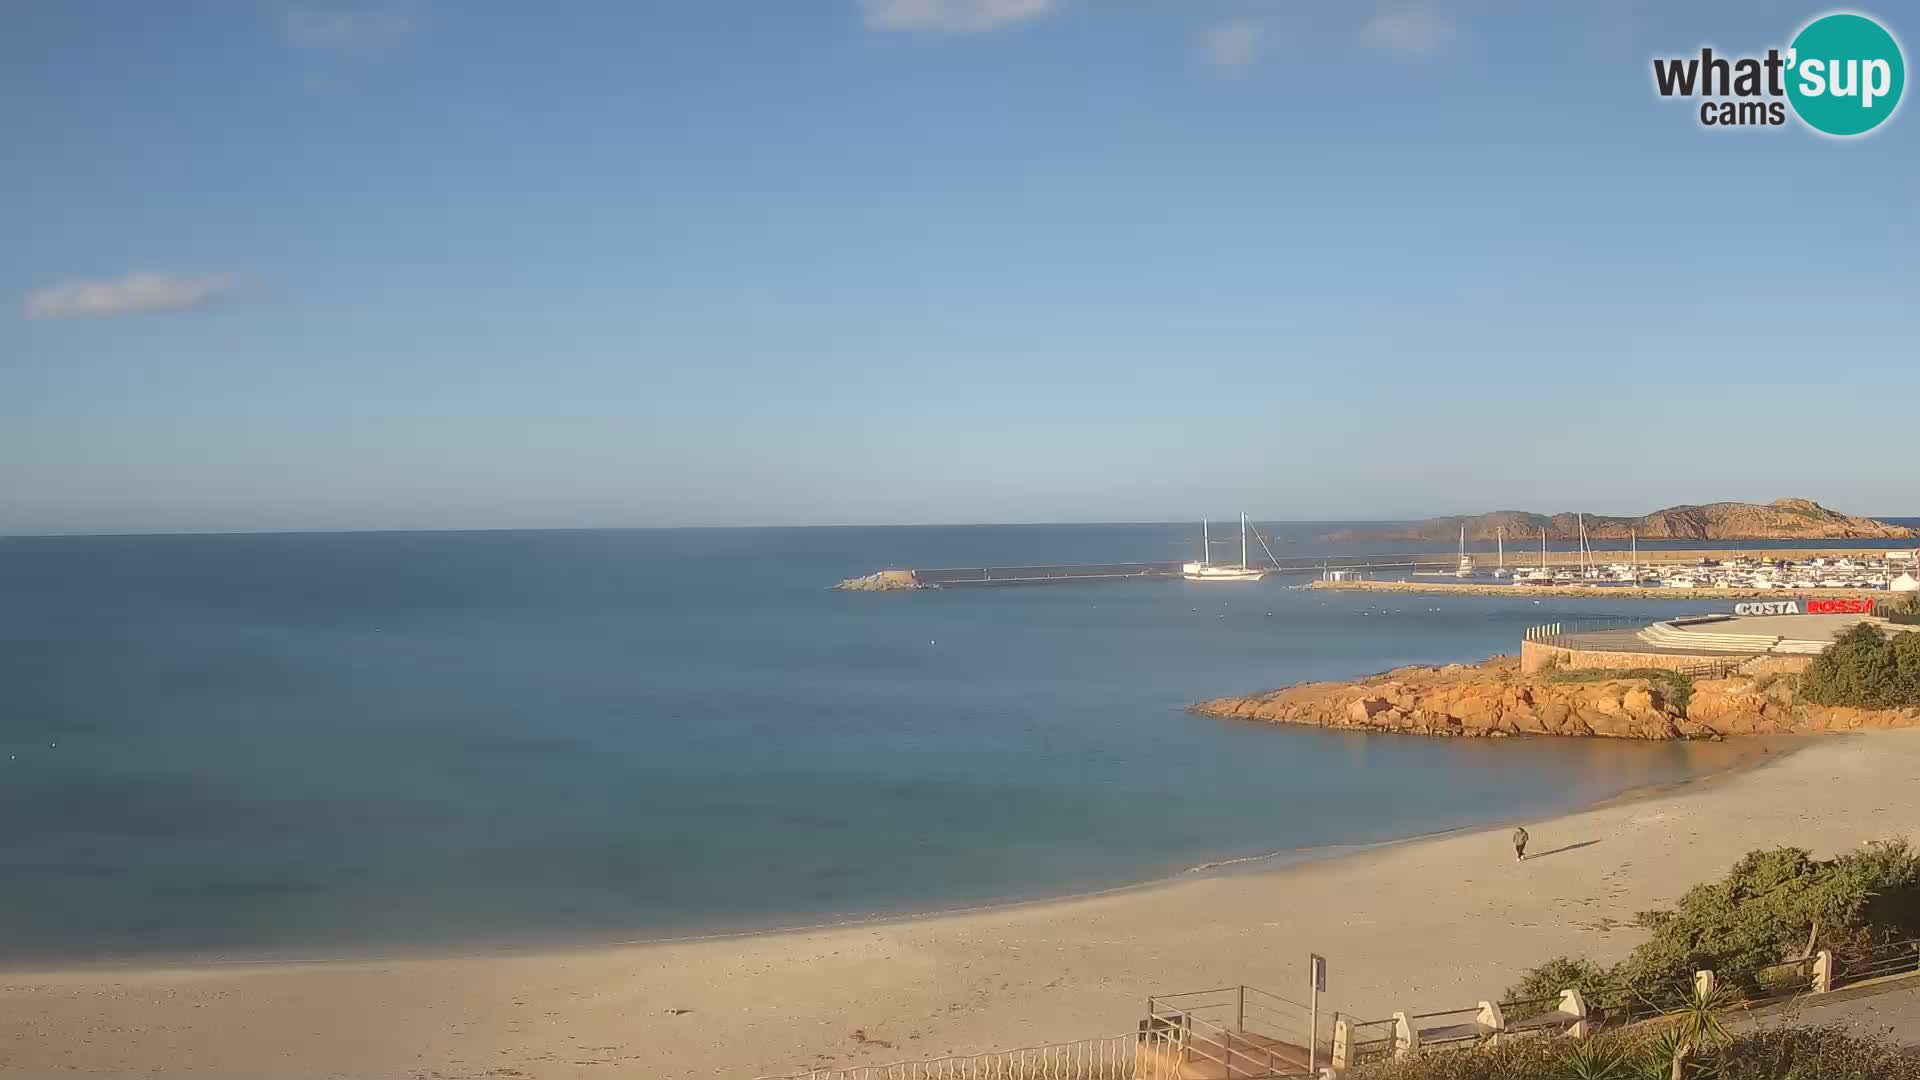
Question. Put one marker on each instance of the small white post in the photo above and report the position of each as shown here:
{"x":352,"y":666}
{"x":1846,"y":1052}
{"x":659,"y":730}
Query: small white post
{"x":1574,"y":1003}
{"x":1703,"y":983}
{"x":1406,"y":1037}
{"x":1823,"y":971}
{"x":1492,"y":1019}
{"x":1342,"y":1045}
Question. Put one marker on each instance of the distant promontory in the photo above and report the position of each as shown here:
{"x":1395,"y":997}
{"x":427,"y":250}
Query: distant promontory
{"x":1782,"y":519}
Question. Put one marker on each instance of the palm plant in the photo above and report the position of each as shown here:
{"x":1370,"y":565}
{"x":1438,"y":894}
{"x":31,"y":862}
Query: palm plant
{"x":1696,"y":1029}
{"x":1593,"y":1059}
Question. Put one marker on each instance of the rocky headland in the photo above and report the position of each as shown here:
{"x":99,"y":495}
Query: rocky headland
{"x":1782,"y":519}
{"x":1495,"y":699}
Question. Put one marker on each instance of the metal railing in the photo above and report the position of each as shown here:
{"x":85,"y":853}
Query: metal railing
{"x":1242,"y":1030}
{"x":1245,"y":1008}
{"x":1139,"y":1055}
{"x":1562,"y":632}
{"x":1876,"y":962}
{"x":1455,"y":1028}
{"x":1566,"y":635}
{"x":1369,"y":1041}
{"x":1238,"y":1055}
{"x":1244,"y":1033}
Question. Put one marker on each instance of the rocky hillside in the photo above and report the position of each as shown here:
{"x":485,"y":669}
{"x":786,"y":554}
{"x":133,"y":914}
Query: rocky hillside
{"x":1495,"y":699}
{"x":1782,"y":519}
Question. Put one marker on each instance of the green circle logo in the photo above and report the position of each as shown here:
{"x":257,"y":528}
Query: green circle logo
{"x":1845,"y":74}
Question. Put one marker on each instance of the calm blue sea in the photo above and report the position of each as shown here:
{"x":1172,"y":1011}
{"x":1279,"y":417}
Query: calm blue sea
{"x":258,"y":744}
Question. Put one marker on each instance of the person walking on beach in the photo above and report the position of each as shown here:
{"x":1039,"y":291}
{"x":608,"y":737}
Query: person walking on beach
{"x":1520,"y":844}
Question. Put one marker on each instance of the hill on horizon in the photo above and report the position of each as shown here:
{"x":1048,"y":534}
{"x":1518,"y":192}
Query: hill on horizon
{"x":1781,"y":519}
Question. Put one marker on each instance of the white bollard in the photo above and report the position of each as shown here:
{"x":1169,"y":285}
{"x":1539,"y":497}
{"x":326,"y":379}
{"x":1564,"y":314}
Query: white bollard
{"x":1574,"y":1003}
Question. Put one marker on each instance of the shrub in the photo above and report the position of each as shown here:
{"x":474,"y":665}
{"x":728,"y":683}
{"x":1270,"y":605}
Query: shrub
{"x":1813,"y":1053}
{"x":1677,"y":685}
{"x":1786,"y":1053}
{"x":1866,"y":669}
{"x":1544,"y":983}
{"x":1766,"y":910}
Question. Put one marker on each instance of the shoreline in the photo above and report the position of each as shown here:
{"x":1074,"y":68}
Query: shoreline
{"x":1749,"y":754}
{"x":966,"y":981}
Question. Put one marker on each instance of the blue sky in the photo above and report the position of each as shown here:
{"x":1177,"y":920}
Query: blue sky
{"x":398,"y":264}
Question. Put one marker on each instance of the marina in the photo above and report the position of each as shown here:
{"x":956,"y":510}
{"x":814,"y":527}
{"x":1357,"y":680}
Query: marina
{"x":1677,"y":571}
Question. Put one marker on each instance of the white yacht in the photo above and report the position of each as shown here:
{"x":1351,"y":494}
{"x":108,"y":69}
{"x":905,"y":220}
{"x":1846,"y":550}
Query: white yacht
{"x":1204,"y":570}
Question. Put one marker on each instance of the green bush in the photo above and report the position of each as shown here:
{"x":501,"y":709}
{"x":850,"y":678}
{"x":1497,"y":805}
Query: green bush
{"x":1866,"y":669}
{"x":1765,"y":911}
{"x":1787,"y":1053}
{"x":1677,"y":685}
{"x":1813,"y":1053}
{"x":1767,"y":907}
{"x":1544,"y":983}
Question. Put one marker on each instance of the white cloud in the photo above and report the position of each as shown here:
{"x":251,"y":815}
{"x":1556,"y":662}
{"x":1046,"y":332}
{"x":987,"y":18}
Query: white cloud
{"x":960,"y":15}
{"x":361,"y":26}
{"x":1408,"y":30}
{"x":1234,"y":45}
{"x":127,"y":295}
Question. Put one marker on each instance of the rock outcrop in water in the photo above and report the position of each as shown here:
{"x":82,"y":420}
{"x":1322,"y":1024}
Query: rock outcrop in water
{"x":881,"y":581}
{"x":1782,"y":519}
{"x":1495,"y":699}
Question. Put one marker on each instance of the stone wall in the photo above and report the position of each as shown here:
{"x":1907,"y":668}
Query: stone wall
{"x":1535,"y":655}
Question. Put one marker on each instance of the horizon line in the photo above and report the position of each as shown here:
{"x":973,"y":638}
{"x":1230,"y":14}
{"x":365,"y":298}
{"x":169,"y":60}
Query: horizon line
{"x":350,"y":531}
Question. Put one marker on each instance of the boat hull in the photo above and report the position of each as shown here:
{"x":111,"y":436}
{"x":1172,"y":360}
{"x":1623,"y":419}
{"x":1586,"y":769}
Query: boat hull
{"x":1224,"y":575}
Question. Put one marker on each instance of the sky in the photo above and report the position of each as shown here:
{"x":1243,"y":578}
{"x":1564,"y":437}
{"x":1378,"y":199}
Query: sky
{"x":414,"y":264}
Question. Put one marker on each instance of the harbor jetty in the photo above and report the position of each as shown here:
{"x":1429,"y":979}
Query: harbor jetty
{"x":963,"y":576}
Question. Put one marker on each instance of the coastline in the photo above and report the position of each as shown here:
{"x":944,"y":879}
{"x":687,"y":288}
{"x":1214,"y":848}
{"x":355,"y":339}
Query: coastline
{"x":1745,"y":755}
{"x":1006,"y":975}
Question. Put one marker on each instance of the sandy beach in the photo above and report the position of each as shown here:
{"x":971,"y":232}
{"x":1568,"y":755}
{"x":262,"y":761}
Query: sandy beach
{"x":1427,"y":924}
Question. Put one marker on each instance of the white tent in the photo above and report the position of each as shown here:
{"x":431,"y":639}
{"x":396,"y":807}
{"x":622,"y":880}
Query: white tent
{"x":1905,"y":583}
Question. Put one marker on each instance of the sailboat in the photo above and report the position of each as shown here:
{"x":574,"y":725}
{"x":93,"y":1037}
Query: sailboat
{"x":1465,"y":567}
{"x":1211,"y":571}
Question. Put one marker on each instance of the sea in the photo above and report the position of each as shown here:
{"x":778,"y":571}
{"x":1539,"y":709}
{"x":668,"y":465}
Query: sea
{"x":354,"y":743}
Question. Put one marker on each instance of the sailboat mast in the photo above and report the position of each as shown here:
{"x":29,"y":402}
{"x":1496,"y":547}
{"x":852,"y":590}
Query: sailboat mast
{"x":1500,"y":538}
{"x":1206,"y":543}
{"x":1243,"y":538}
